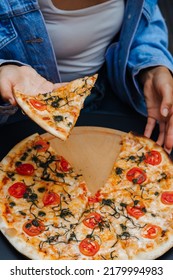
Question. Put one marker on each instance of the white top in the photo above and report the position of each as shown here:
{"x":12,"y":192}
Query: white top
{"x":80,"y":37}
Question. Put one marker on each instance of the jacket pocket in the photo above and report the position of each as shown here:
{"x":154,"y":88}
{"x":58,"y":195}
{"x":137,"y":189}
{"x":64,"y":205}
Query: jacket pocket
{"x":7,"y":32}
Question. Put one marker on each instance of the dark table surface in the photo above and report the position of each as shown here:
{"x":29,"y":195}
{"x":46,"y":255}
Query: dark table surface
{"x":13,"y":133}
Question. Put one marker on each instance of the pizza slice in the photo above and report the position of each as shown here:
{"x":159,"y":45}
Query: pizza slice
{"x":138,"y":196}
{"x":57,"y":111}
{"x":140,"y":162}
{"x":41,"y":199}
{"x":34,"y":159}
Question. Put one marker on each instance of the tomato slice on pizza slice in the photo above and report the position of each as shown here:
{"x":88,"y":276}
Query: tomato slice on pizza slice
{"x":17,"y":189}
{"x":151,"y":231}
{"x":41,"y":145}
{"x":25,"y":169}
{"x":167,"y":197}
{"x":136,"y":175}
{"x":51,"y":198}
{"x":92,"y":220}
{"x":33,"y":227}
{"x":153,"y":157}
{"x":136,"y":209}
{"x":89,"y":247}
{"x":39,"y":105}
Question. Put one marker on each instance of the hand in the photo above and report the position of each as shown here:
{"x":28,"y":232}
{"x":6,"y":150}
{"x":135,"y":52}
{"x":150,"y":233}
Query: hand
{"x":158,"y":91}
{"x":22,"y":78}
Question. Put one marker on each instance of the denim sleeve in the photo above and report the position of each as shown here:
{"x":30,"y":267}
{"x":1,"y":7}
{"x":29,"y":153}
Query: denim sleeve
{"x":150,"y":44}
{"x":6,"y":110}
{"x":16,"y":62}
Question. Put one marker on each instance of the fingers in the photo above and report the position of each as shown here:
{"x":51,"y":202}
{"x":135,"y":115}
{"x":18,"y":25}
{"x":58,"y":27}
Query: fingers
{"x":166,"y":110}
{"x":58,"y":85}
{"x":39,"y":85}
{"x":167,"y":100}
{"x":168,"y":143}
{"x":31,"y":83}
{"x":161,"y":137}
{"x":151,"y":122}
{"x":7,"y":94}
{"x":46,"y":86}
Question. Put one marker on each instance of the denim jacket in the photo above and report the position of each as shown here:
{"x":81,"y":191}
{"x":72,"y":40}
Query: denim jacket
{"x":142,"y":43}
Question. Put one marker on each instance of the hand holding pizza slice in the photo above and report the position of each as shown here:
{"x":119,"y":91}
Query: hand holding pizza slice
{"x":57,"y":111}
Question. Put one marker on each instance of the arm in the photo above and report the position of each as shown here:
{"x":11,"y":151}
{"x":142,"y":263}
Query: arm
{"x":158,"y":90}
{"x":151,"y":63}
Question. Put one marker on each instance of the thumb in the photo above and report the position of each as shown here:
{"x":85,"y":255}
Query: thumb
{"x":167,"y":100}
{"x":7,"y":93}
{"x":59,"y":85}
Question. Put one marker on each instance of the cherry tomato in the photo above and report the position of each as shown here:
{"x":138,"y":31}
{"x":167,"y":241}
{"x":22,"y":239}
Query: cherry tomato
{"x":38,"y":104}
{"x":136,"y":175}
{"x":167,"y":197}
{"x":151,"y":231}
{"x":95,"y":198}
{"x":137,"y":210}
{"x":89,"y":247}
{"x":33,"y":227}
{"x":153,"y":157}
{"x":17,"y":190}
{"x":25,"y":169}
{"x":63,"y":165}
{"x":41,"y":145}
{"x":92,"y":220}
{"x":51,"y":198}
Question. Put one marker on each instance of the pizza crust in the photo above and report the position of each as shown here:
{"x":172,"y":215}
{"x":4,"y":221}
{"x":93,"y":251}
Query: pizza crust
{"x":15,"y":150}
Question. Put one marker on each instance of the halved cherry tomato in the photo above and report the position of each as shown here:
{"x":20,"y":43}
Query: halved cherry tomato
{"x":63,"y":165}
{"x":17,"y":189}
{"x":89,"y":247}
{"x":33,"y":227}
{"x":95,"y":198}
{"x":25,"y":169}
{"x":92,"y":220}
{"x":37,"y":104}
{"x":153,"y":157}
{"x":167,"y":197}
{"x":151,"y":231}
{"x":136,"y":175}
{"x":41,"y":145}
{"x":137,"y":210}
{"x":51,"y":198}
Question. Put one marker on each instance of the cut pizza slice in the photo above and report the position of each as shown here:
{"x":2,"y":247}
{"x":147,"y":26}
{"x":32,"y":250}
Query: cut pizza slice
{"x":94,"y":237}
{"x":57,"y":111}
{"x":138,"y":198}
{"x":41,"y":198}
{"x":140,"y":162}
{"x":41,"y":215}
{"x":34,"y":159}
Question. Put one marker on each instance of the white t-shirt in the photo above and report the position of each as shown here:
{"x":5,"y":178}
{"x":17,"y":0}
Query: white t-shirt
{"x":80,"y":37}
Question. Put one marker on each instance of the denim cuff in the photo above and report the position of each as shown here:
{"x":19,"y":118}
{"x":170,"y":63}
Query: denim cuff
{"x":6,"y":110}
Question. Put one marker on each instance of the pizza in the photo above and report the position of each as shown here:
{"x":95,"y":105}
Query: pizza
{"x":48,"y":212}
{"x":57,"y":111}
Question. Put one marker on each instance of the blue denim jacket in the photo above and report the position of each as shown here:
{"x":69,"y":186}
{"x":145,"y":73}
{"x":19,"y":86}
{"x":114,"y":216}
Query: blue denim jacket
{"x":142,"y":43}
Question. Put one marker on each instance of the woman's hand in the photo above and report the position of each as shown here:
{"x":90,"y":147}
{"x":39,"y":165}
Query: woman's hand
{"x":158,"y":90}
{"x":22,"y":78}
